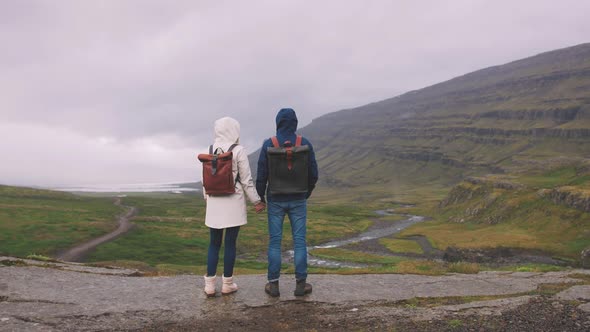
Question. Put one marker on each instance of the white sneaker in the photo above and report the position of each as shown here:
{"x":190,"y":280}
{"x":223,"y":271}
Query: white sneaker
{"x":228,"y":286}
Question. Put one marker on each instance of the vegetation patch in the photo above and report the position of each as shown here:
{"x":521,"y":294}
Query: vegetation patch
{"x":464,"y":267}
{"x":486,"y":215}
{"x":401,"y":245}
{"x":424,"y":267}
{"x":455,"y":323}
{"x":551,"y":289}
{"x":346,"y":255}
{"x":9,"y":262}
{"x":533,"y":268}
{"x":41,"y":258}
{"x":44,"y":222}
{"x":582,"y":276}
{"x":560,"y":176}
{"x":171,"y":235}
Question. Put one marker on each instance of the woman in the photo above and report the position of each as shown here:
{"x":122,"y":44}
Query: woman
{"x":228,"y":212}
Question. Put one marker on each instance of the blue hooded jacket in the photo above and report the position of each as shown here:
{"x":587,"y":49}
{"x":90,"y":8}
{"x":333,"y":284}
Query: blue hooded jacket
{"x":286,"y":127}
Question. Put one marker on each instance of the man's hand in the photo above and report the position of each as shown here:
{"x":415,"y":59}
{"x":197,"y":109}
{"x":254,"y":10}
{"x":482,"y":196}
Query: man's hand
{"x":259,"y":207}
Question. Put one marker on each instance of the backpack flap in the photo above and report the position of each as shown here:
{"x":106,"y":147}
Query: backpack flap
{"x":288,"y":169}
{"x":217,"y":173}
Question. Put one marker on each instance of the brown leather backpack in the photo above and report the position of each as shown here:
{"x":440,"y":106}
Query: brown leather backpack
{"x":218,"y":178}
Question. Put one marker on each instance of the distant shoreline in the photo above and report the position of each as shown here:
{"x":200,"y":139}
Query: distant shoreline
{"x":129,"y":188}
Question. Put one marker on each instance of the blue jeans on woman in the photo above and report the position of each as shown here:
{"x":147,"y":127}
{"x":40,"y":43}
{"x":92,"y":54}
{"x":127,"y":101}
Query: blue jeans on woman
{"x":297,"y":212}
{"x":229,"y":254}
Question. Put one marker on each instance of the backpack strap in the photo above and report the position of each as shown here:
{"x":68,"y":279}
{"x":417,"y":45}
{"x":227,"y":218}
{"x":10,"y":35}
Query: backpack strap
{"x":229,"y":150}
{"x":215,"y":157}
{"x":275,"y":141}
{"x":298,"y":140}
{"x":288,"y":149}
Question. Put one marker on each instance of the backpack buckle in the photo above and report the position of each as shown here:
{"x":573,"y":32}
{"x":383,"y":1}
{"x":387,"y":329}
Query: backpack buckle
{"x":214,"y":165}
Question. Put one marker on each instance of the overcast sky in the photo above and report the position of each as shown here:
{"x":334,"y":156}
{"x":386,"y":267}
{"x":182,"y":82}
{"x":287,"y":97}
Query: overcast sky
{"x":116,"y":91}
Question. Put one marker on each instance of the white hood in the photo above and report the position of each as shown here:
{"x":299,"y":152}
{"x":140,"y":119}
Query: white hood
{"x":227,"y":131}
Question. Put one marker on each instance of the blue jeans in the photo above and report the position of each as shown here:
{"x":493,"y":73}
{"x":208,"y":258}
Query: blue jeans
{"x":229,"y":255}
{"x":297,"y":212}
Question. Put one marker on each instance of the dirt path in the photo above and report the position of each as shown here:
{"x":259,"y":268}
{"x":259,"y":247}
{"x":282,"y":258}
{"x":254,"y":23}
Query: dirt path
{"x":79,"y":252}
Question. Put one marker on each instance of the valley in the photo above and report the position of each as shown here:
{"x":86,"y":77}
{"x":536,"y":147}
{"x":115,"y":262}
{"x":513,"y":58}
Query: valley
{"x":497,"y":158}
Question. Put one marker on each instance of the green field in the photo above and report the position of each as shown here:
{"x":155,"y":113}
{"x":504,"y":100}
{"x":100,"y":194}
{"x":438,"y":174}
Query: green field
{"x":483,"y":215}
{"x":170,"y":235}
{"x":44,"y":222}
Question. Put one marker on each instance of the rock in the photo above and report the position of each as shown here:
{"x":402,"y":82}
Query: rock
{"x":580,"y":292}
{"x":499,"y":255}
{"x":585,"y":258}
{"x":452,"y":254}
{"x":569,"y":196}
{"x":91,"y":300}
{"x":584,"y":307}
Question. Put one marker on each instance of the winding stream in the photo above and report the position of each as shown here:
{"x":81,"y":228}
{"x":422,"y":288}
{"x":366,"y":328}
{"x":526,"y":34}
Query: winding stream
{"x":394,"y":228}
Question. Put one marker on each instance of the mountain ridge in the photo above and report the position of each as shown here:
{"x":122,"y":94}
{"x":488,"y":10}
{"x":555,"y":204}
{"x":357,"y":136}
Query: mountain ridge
{"x":486,"y":121}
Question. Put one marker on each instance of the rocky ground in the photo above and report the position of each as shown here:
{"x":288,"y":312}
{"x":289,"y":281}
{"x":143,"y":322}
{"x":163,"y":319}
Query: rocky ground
{"x":46,"y":296}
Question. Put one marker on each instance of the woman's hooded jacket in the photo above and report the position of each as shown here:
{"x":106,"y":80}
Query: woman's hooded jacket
{"x":230,"y":211}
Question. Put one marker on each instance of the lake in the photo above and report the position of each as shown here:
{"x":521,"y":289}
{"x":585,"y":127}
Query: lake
{"x":135,"y":187}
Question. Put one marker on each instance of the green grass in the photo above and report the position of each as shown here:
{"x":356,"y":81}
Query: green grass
{"x":531,"y":267}
{"x":43,"y":222}
{"x":41,"y":258}
{"x":169,"y":230}
{"x":481,"y":216}
{"x":401,"y":245}
{"x":455,"y":323}
{"x":556,"y":177}
{"x":346,"y":255}
{"x":171,"y":234}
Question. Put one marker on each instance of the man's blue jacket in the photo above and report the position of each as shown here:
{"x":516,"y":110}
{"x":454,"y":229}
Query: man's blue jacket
{"x":286,"y":127}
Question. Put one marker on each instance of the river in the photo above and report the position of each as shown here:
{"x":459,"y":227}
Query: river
{"x":394,"y":228}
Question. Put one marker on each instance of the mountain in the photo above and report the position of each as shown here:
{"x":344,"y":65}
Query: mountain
{"x":502,"y":119}
{"x":499,"y":157}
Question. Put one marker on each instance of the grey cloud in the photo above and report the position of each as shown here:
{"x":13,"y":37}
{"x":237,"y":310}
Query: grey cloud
{"x":130,"y":70}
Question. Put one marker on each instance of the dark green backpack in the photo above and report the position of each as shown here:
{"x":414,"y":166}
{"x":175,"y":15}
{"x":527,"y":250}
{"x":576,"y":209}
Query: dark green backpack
{"x":288,"y":170}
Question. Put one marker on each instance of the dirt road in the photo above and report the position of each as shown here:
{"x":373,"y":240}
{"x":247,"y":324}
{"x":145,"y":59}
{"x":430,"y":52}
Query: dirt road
{"x":79,"y":252}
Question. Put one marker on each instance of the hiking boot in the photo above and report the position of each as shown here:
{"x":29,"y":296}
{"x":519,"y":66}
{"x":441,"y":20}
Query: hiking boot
{"x":228,"y":286}
{"x":210,"y":285}
{"x":272,"y":289}
{"x":302,"y":288}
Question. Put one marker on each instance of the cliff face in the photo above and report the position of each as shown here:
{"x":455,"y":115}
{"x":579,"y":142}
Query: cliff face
{"x":482,"y":122}
{"x":569,"y":196}
{"x":480,"y":200}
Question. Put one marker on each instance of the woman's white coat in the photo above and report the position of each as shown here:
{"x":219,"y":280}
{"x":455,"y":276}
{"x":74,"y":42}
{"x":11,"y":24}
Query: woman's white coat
{"x":230,"y":211}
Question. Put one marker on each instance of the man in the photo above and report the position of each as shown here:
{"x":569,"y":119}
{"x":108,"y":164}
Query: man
{"x":292,"y":204}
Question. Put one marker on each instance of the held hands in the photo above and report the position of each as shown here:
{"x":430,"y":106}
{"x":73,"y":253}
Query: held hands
{"x":259,"y":207}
